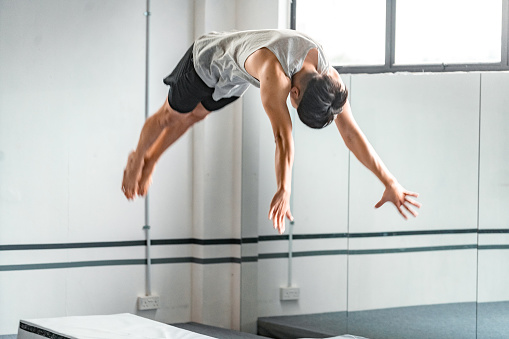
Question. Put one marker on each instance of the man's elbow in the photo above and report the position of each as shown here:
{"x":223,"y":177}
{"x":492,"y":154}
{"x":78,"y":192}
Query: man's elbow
{"x":350,"y":138}
{"x":283,"y":142}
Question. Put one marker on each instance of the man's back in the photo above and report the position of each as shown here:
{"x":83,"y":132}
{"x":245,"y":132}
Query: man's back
{"x":219,"y":58}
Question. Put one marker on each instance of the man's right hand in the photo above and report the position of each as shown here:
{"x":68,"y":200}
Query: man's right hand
{"x":279,"y":208}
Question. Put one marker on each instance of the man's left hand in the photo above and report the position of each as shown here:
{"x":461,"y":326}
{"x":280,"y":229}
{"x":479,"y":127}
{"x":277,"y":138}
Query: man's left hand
{"x":400,"y":197}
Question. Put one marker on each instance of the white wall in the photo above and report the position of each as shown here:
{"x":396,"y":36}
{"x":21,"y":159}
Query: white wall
{"x":216,"y":191}
{"x":54,"y":95}
{"x":72,"y":89}
{"x":64,"y":131}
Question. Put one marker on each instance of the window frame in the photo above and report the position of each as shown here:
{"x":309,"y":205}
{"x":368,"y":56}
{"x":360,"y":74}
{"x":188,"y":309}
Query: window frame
{"x":390,"y":48}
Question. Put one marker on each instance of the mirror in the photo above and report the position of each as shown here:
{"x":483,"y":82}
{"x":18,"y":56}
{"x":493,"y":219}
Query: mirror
{"x":416,"y":278}
{"x":493,"y":277}
{"x":441,"y":275}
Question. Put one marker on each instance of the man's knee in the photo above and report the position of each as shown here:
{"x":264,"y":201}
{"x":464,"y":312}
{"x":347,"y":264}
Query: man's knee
{"x":165,"y":116}
{"x":199,"y":113}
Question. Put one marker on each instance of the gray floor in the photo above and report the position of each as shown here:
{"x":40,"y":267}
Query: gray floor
{"x":321,"y":325}
{"x":215,"y":332}
{"x":448,"y":321}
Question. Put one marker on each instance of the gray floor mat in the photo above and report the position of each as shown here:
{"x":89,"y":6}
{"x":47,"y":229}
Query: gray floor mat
{"x":448,"y":321}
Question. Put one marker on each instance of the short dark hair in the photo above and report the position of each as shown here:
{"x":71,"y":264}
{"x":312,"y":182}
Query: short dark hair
{"x":322,"y":99}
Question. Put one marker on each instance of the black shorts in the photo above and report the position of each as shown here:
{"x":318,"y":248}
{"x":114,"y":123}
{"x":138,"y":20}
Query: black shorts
{"x":187,"y":89}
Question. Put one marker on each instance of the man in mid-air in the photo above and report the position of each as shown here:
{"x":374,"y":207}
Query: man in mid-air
{"x":218,"y":69}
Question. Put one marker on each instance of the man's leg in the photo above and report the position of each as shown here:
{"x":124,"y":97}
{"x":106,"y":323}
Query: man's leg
{"x":160,"y":131}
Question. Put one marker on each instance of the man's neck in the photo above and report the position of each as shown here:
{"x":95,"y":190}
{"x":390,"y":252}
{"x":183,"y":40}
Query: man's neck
{"x":307,"y":68}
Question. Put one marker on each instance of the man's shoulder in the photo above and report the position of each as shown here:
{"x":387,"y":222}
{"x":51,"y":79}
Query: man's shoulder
{"x":262,"y":63}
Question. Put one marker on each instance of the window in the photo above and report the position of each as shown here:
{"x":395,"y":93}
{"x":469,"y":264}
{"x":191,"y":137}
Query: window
{"x":452,"y":31}
{"x":408,"y":35}
{"x":351,"y":32}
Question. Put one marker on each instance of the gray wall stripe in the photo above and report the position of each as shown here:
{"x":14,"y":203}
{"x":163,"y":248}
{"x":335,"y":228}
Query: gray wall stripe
{"x":125,"y":262}
{"x":493,"y":247}
{"x":378,"y":234}
{"x":73,"y":264}
{"x":374,"y":251}
{"x":407,"y":233}
{"x":414,"y":249}
{"x":195,"y":241}
{"x":496,"y":230}
{"x":187,"y":241}
{"x":250,"y":259}
{"x":27,"y":247}
{"x":235,"y":260}
{"x":207,"y":261}
{"x":234,"y":241}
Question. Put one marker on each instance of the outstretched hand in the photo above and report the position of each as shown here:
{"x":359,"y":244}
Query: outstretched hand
{"x":132,"y":175}
{"x":279,"y":208}
{"x":400,"y":197}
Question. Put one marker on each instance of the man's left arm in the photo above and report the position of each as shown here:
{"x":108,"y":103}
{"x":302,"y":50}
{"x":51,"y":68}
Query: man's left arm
{"x":357,"y":142}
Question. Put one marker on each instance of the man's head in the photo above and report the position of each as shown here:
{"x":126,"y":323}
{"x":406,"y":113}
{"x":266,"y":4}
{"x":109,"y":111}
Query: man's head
{"x":318,"y":99}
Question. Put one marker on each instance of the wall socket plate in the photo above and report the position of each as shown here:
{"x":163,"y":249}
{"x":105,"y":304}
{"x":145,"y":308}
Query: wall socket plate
{"x":289,"y":293}
{"x":150,"y":302}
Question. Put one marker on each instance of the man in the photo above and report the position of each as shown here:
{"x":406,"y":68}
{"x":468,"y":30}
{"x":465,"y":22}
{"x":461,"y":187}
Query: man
{"x":219,"y":68}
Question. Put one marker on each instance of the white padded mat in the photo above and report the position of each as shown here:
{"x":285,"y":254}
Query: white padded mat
{"x":116,"y":326}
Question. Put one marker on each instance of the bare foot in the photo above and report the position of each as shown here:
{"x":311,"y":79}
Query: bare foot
{"x":132,"y":175}
{"x":146,"y":177}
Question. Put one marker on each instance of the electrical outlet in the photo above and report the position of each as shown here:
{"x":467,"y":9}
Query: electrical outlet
{"x":150,"y":302}
{"x":289,"y":293}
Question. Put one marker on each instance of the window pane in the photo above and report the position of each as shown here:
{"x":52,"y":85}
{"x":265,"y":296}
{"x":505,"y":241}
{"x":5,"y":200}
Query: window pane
{"x":352,"y":32}
{"x":448,"y":31}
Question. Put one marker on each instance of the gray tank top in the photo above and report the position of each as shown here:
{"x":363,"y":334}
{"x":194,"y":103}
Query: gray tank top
{"x":219,"y":57}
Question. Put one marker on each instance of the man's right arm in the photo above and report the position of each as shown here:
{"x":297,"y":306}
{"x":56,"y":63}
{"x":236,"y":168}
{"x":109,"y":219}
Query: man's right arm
{"x":274,"y":90}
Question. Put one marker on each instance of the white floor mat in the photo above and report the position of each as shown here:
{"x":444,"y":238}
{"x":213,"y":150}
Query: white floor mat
{"x":116,"y":326}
